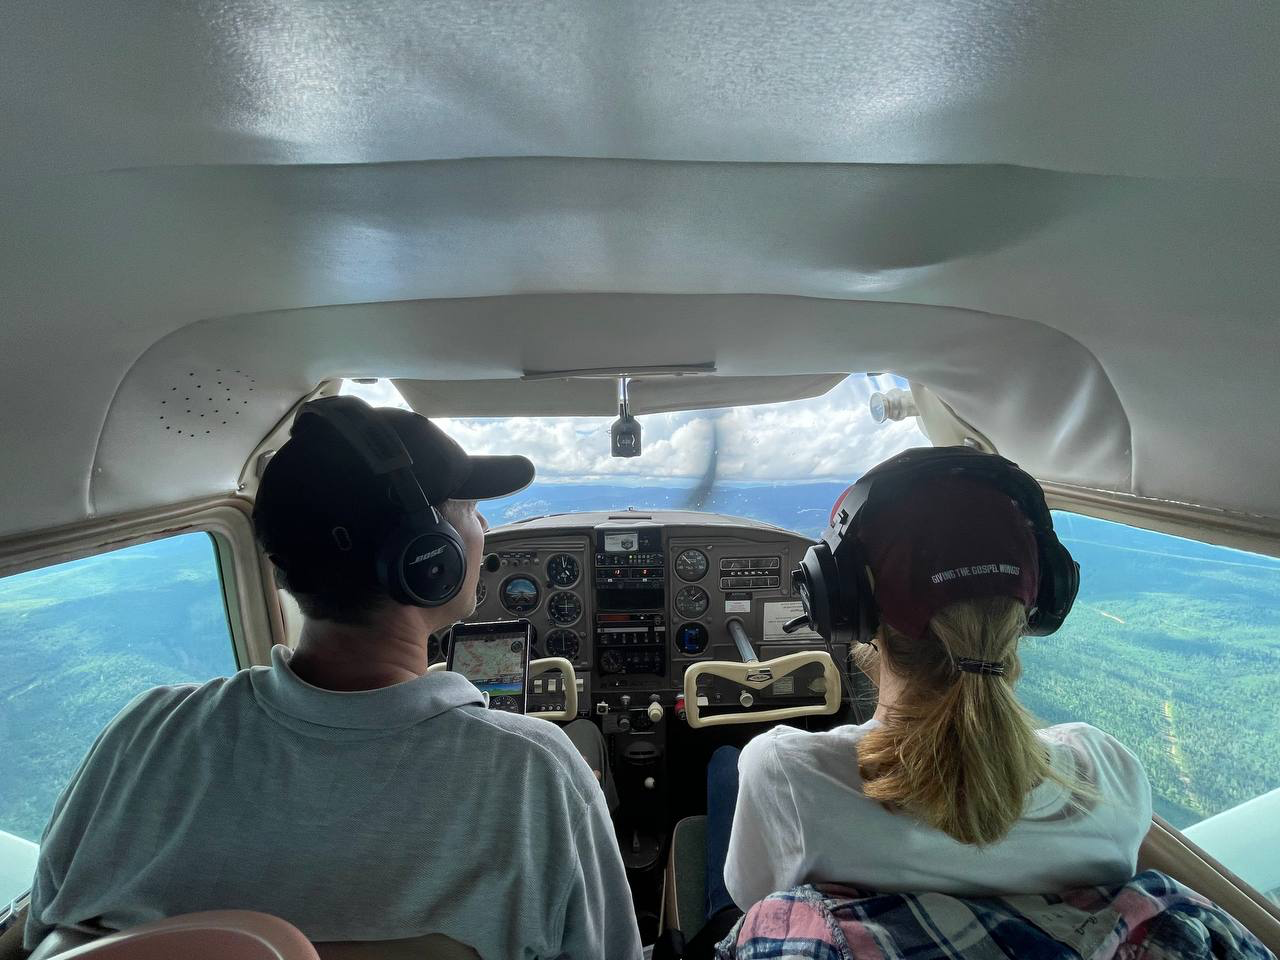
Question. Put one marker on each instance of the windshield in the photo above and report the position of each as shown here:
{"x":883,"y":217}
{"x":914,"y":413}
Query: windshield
{"x":782,"y":463}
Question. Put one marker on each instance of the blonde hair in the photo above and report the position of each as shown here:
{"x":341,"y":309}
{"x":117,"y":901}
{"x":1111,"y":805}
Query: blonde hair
{"x":958,"y":750}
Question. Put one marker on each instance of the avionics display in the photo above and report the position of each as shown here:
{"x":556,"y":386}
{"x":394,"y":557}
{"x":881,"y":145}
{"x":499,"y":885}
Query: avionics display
{"x":495,"y":657}
{"x":629,"y":569}
{"x":628,"y":542}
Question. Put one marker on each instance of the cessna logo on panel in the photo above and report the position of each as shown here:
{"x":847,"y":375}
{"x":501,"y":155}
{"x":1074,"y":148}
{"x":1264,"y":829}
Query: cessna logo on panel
{"x":427,"y":556}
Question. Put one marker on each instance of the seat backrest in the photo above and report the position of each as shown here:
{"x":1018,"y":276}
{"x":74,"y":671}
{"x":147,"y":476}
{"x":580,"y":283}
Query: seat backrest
{"x":1168,"y":851}
{"x":213,"y":935}
{"x":60,"y":941}
{"x":434,"y":946}
{"x":431,"y":947}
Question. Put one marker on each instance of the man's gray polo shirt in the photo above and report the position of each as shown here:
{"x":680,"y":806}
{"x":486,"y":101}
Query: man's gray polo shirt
{"x":372,"y":815}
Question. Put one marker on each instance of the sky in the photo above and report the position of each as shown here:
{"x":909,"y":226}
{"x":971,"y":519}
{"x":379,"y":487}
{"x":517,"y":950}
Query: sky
{"x":831,"y":437}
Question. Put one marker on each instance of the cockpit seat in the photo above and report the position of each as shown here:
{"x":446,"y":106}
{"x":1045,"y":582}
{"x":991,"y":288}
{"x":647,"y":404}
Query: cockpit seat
{"x":1164,"y":849}
{"x":431,"y":947}
{"x":237,"y":935}
{"x":685,"y":893}
{"x":213,"y":935}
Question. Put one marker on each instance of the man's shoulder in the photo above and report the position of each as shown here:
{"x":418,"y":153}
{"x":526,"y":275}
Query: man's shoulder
{"x":177,"y":703}
{"x":544,"y":744}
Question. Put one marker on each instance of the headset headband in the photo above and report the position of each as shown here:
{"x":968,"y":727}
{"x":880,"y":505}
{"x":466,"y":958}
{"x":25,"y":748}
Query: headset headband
{"x":931,"y":461}
{"x":377,"y":444}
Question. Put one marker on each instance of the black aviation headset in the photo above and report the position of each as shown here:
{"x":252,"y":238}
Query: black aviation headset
{"x":832,"y":579}
{"x":422,"y":561}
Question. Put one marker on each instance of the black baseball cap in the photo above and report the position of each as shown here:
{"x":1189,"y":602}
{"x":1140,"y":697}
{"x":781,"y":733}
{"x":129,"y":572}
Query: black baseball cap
{"x":318,"y":481}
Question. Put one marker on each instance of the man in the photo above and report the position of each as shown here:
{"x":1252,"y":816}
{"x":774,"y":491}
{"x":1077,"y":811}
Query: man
{"x":343,"y":788}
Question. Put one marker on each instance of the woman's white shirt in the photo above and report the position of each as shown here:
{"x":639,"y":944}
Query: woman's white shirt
{"x":802,"y":818}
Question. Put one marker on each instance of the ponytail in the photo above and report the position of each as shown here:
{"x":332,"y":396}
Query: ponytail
{"x":958,"y":750}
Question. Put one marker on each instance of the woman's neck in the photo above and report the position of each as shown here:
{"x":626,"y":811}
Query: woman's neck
{"x":890,"y":690}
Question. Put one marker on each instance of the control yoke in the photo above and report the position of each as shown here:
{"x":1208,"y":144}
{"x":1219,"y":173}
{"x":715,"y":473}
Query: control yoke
{"x":536,"y":669}
{"x":753,"y":678}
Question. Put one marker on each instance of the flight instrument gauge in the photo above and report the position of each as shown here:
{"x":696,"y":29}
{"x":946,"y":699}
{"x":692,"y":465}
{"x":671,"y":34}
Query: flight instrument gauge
{"x":692,"y":639}
{"x":481,"y":592}
{"x":691,"y":566}
{"x":692,"y":602}
{"x":564,"y":608}
{"x":520,"y":595}
{"x":562,"y":643}
{"x":563,"y":570}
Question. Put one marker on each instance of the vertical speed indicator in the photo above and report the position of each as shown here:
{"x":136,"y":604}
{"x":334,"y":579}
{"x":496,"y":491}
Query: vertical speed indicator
{"x":692,"y":602}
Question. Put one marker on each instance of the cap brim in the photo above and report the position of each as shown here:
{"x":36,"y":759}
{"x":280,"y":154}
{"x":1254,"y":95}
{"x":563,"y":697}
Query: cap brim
{"x":491,"y":477}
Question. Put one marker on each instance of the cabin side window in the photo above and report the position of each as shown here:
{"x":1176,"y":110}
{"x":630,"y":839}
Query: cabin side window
{"x":79,"y":640}
{"x":1174,"y":648}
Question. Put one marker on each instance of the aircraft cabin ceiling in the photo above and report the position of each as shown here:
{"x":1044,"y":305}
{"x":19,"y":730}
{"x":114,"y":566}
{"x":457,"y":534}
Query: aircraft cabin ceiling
{"x":1064,"y":218}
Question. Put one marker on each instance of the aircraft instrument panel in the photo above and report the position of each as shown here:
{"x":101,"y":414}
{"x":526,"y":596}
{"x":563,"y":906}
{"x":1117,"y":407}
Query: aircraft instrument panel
{"x":632,"y":598}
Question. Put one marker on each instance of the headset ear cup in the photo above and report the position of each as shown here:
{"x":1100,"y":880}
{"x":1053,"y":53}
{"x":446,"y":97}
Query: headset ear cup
{"x":423,"y":562}
{"x":391,"y":565}
{"x":856,"y":584}
{"x":1059,"y":584}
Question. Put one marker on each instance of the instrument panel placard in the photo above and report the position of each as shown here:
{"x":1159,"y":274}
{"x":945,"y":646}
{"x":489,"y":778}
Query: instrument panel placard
{"x":779,"y":612}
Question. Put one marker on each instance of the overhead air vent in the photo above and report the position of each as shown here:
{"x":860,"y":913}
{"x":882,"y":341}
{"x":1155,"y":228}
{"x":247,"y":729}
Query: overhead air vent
{"x":200,"y":403}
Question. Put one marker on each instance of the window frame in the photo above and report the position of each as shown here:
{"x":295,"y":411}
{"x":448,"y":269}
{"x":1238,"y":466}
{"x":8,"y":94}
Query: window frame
{"x":1217,"y":528}
{"x":253,"y":613}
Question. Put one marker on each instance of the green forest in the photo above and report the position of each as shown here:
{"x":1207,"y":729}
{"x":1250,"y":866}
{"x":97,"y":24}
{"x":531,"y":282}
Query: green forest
{"x":1174,"y":648}
{"x":80,"y":640}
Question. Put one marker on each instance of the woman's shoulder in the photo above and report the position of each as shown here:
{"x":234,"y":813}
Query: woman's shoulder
{"x":1086,"y":737}
{"x":1105,"y":761}
{"x":784,"y":746}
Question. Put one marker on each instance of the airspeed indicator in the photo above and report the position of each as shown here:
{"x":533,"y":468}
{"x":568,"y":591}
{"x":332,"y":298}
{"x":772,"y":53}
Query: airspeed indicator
{"x":563,"y":570}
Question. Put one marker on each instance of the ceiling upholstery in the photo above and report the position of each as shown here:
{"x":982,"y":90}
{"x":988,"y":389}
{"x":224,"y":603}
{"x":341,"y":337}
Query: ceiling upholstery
{"x":1061,"y":217}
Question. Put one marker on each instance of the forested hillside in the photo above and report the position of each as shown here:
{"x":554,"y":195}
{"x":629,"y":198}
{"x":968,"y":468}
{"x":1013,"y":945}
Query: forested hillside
{"x":1174,"y":648}
{"x":80,"y":640}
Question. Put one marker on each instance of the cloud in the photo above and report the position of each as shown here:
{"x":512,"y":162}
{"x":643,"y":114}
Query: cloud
{"x":379,"y":393}
{"x":831,"y":437}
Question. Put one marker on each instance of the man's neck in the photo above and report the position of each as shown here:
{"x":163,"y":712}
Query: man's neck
{"x":391,"y":649}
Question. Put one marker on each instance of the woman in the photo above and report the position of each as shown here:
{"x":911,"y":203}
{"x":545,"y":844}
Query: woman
{"x":949,"y":787}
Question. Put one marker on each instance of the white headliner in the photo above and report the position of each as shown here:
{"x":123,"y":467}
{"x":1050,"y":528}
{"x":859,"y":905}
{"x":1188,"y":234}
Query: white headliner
{"x":1063,"y":218}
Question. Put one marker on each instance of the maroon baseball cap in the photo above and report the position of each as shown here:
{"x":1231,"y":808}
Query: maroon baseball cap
{"x":943,"y":539}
